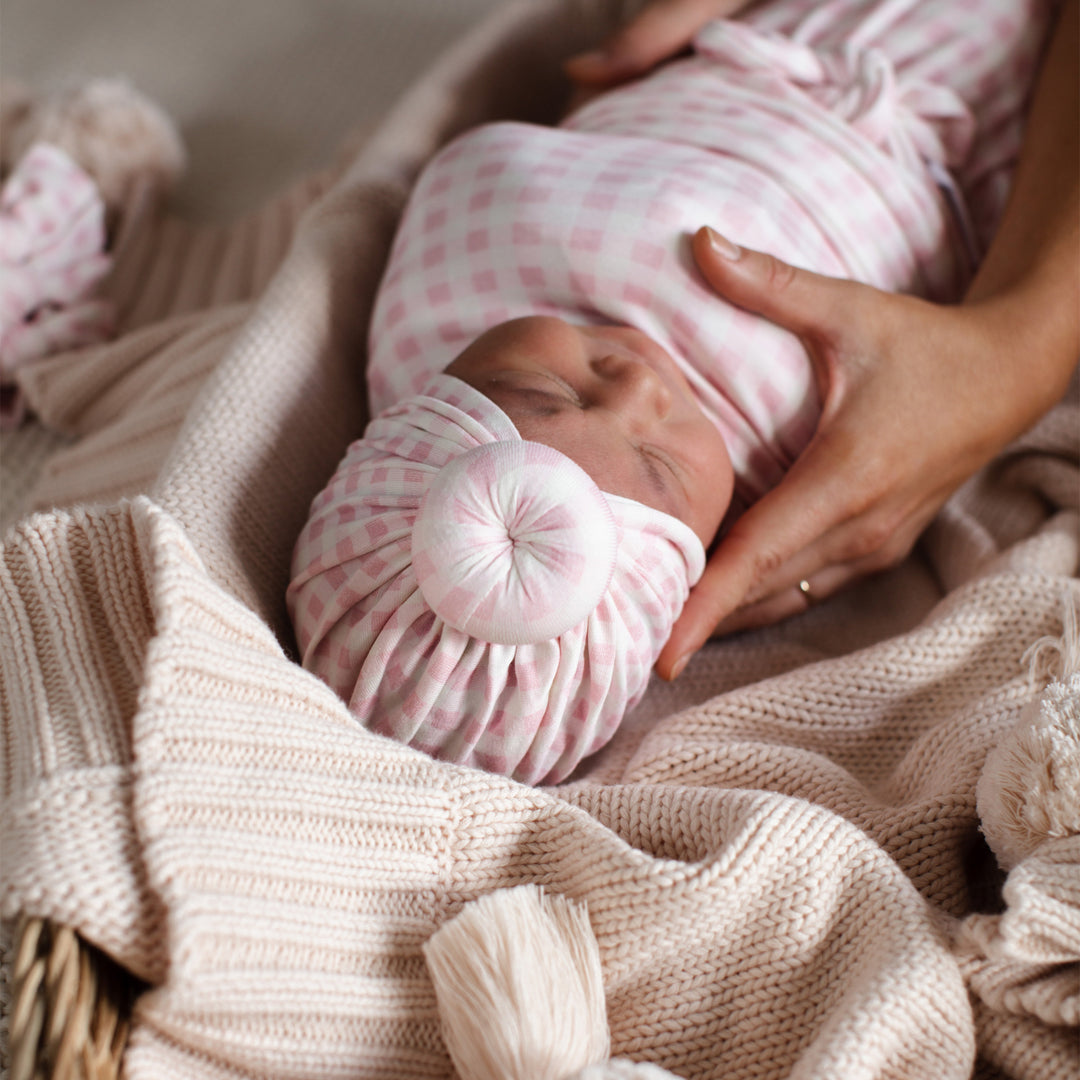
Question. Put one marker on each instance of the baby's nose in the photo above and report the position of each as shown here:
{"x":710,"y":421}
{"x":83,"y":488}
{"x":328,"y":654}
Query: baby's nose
{"x":632,"y":386}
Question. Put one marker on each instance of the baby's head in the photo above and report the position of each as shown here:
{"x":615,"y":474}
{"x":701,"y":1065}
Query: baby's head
{"x":615,"y":403}
{"x":465,"y":583}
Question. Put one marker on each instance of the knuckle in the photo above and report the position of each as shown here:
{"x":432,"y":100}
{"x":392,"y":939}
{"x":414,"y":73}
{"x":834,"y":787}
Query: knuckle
{"x":895,"y":550}
{"x":877,"y":541}
{"x":779,"y":275}
{"x":753,"y":561}
{"x":768,"y":562}
{"x":765,"y":564}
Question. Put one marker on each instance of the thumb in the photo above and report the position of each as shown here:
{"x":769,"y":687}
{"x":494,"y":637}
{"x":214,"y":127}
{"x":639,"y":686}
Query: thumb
{"x":812,"y":306}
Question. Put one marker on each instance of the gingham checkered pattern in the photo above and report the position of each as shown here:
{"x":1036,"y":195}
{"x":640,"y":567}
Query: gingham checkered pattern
{"x":363,"y":624}
{"x":816,"y":131}
{"x":52,"y":241}
{"x":514,"y":543}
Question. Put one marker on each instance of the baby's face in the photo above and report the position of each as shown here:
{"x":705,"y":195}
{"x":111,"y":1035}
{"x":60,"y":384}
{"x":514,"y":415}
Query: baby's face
{"x":614,"y":402}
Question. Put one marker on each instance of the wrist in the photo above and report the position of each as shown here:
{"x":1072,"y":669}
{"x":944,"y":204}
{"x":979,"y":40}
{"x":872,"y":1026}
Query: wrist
{"x":1029,"y":336}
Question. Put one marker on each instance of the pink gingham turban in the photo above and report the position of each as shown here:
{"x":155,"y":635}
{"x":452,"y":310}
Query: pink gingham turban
{"x":476,"y":595}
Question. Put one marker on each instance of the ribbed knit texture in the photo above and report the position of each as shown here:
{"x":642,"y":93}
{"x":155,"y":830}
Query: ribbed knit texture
{"x":786,"y":878}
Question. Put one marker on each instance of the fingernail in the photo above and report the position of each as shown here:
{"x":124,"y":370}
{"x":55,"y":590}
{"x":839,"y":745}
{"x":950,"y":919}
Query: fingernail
{"x":679,"y":665}
{"x":723,"y":246}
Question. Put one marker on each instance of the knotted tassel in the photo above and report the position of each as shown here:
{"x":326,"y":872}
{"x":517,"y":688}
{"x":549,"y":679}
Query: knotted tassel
{"x":520,"y":990}
{"x":1029,"y":790}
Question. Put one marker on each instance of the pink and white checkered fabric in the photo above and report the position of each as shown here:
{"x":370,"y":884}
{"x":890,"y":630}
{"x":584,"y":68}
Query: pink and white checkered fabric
{"x":817,"y":131}
{"x":477,"y":596}
{"x":514,"y":543}
{"x":52,"y":254}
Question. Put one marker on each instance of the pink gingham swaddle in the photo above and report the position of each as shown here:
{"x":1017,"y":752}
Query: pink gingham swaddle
{"x":477,"y":596}
{"x":823,"y":148}
{"x":826,"y":132}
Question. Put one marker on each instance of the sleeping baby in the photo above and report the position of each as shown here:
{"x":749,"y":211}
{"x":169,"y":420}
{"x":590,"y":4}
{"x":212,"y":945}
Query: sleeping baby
{"x":564,"y":413}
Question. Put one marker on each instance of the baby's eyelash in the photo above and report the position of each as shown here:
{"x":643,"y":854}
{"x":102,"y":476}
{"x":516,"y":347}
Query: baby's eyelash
{"x":543,"y":402}
{"x":563,"y":385}
{"x":660,"y":477}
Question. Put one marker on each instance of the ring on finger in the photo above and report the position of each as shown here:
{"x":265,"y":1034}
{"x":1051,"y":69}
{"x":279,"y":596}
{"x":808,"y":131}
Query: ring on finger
{"x":807,"y":593}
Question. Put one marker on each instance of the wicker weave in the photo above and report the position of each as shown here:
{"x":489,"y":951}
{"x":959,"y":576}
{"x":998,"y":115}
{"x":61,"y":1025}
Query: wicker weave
{"x":70,"y":1007}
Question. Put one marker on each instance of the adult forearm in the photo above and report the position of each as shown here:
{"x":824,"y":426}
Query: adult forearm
{"x":1029,"y":283}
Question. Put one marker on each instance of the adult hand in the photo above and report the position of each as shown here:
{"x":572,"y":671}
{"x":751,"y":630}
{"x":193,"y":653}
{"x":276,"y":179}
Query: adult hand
{"x":915,"y":397}
{"x":659,"y":31}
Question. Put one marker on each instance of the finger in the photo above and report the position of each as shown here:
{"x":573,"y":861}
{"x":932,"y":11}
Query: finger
{"x":792,"y":600}
{"x":813,"y":306}
{"x":811,"y":500}
{"x":806,"y":580}
{"x":710,"y":600}
{"x":662,"y":29}
{"x":730,"y":573}
{"x":867,"y":543}
{"x":799,"y":596}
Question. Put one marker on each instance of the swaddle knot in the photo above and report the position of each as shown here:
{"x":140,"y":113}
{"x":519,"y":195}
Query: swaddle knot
{"x":514,"y":543}
{"x":916,"y":119}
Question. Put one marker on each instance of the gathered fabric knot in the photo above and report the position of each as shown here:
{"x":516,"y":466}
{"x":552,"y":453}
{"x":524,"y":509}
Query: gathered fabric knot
{"x":514,"y":543}
{"x":913,"y":119}
{"x":52,"y":255}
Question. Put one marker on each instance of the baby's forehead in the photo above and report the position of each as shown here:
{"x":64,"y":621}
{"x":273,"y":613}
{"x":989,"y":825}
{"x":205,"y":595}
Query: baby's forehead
{"x":535,"y":338}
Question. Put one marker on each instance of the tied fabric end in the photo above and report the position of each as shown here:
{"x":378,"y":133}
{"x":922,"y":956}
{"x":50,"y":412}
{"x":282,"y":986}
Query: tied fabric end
{"x":514,"y":544}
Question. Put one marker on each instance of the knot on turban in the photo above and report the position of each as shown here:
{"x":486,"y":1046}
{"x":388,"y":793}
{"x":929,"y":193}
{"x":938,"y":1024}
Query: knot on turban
{"x":476,"y":595}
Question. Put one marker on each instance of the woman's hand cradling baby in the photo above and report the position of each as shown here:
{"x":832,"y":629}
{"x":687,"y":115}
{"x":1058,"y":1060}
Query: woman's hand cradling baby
{"x":915,"y":396}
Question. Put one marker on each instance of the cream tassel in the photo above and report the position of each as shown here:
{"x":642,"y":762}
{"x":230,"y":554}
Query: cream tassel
{"x":1029,"y":790}
{"x":518,"y":980}
{"x":1056,"y":658}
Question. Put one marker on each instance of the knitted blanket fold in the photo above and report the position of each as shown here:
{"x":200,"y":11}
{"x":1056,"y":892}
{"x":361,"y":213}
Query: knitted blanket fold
{"x":781,"y":852}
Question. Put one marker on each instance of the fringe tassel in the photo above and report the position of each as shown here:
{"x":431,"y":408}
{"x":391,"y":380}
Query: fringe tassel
{"x":1029,"y":790}
{"x":520,"y":990}
{"x":1056,"y":658}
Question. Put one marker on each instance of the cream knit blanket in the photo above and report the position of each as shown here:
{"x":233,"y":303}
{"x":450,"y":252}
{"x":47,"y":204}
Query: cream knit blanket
{"x":780,"y":853}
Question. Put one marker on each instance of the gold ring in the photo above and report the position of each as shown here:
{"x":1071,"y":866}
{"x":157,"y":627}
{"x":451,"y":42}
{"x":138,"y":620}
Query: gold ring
{"x":804,"y":588}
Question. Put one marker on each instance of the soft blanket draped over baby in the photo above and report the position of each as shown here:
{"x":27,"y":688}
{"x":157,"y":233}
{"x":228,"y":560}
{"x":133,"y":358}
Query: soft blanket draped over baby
{"x":810,"y":141}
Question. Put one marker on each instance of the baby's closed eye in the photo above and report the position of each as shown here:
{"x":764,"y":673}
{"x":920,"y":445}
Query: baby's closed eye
{"x":537,"y":402}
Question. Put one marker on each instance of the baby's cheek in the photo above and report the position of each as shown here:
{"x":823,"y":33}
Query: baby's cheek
{"x":712,"y":482}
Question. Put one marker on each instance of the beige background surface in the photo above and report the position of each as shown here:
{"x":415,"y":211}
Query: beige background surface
{"x":261,"y":90}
